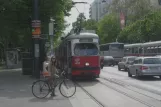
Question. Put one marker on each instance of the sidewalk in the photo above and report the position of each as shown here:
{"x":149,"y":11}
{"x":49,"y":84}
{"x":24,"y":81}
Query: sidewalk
{"x":15,"y":91}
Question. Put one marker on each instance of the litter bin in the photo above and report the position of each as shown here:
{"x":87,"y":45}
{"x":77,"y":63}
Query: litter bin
{"x":27,"y":63}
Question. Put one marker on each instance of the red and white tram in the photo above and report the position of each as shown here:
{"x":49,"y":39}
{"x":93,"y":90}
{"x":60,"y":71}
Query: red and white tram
{"x":143,"y":49}
{"x":79,"y":53}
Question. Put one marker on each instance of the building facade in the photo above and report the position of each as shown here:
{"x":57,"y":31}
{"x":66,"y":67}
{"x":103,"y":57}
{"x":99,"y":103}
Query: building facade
{"x":98,"y":9}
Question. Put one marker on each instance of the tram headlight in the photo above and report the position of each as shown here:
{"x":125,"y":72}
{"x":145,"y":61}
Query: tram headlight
{"x":87,"y":64}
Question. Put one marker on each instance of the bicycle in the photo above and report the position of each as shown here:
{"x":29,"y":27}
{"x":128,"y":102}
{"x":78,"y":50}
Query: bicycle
{"x":61,"y":80}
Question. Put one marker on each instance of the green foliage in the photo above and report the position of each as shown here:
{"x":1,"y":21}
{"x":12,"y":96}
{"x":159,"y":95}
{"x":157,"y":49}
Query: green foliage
{"x":91,"y":25}
{"x":133,"y":9}
{"x":16,"y":16}
{"x":109,"y":28}
{"x":144,"y":30}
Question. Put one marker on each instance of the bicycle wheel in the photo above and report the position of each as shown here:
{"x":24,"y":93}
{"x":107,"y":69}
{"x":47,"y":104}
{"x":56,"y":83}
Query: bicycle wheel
{"x":40,"y":89}
{"x":67,"y":88}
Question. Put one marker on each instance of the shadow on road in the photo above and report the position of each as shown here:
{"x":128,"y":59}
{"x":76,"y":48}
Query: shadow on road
{"x":147,"y":78}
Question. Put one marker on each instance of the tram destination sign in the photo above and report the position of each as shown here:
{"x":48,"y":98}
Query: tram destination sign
{"x":86,"y":40}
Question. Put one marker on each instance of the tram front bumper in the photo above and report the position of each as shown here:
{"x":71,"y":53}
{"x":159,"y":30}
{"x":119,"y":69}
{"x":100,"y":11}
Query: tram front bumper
{"x":86,"y":71}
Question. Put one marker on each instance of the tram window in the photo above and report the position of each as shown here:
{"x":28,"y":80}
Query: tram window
{"x":132,"y":50}
{"x":145,"y":50}
{"x":83,"y":49}
{"x":140,"y":50}
{"x":136,"y":50}
{"x":159,"y":49}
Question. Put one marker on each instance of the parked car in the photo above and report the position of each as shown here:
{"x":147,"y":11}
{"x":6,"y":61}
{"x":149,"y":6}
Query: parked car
{"x":108,"y":61}
{"x":125,"y":62}
{"x":145,"y":66}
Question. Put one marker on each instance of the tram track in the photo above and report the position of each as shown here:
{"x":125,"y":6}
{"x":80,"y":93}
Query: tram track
{"x":119,"y":82}
{"x":123,"y":92}
{"x":90,"y":95}
{"x":128,"y":95}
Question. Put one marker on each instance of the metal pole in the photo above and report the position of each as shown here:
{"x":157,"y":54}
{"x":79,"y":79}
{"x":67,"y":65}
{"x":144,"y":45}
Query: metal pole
{"x":51,"y":34}
{"x":36,"y":53}
{"x":52,"y":44}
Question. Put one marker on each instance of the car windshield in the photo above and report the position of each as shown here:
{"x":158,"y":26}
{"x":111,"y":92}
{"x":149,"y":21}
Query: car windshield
{"x":131,"y":59}
{"x":83,"y":49}
{"x":152,"y":61}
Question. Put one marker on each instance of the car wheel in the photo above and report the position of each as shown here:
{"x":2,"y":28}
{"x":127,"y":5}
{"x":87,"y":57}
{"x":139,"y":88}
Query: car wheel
{"x":129,"y":74}
{"x":119,"y":68}
{"x":137,"y":74}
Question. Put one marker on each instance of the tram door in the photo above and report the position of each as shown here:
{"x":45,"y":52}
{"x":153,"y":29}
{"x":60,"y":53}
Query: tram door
{"x":69,"y":56}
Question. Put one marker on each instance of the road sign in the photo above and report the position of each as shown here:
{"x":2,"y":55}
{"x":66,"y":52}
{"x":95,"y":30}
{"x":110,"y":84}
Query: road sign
{"x":36,"y":28}
{"x":36,"y":23}
{"x":36,"y":31}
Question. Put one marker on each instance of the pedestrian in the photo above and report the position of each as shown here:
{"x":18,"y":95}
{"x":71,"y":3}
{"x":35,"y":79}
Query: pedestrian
{"x":52,"y":69}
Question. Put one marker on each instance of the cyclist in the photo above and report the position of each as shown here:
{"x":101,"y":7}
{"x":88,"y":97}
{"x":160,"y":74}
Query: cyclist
{"x":52,"y":69}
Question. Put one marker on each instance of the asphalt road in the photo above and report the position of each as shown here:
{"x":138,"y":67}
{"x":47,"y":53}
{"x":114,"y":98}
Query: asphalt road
{"x":113,"y":89}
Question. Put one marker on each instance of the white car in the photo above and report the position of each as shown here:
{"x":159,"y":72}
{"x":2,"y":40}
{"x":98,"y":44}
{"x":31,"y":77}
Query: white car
{"x":145,"y":66}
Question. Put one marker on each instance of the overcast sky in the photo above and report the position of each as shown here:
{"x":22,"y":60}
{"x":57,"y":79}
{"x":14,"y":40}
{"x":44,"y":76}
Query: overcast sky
{"x":74,"y":13}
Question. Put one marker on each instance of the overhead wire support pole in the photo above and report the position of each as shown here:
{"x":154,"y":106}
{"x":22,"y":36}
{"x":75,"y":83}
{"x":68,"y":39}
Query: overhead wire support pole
{"x":36,"y":32}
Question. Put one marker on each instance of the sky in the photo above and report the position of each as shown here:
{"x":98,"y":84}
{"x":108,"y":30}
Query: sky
{"x":74,"y":13}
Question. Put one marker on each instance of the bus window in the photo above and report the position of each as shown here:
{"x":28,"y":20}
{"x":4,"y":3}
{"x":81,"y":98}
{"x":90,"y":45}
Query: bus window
{"x":117,"y":46}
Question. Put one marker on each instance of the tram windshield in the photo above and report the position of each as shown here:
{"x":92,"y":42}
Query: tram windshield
{"x":83,"y":49}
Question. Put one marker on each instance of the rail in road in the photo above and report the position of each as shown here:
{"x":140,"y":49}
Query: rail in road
{"x":120,"y":82}
{"x":90,"y":95}
{"x":136,"y":98}
{"x":144,"y":99}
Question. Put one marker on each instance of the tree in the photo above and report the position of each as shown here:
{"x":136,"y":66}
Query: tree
{"x":145,"y":30}
{"x":16,"y":16}
{"x":79,"y":23}
{"x":91,"y":24}
{"x":133,"y":9}
{"x":109,"y":28}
